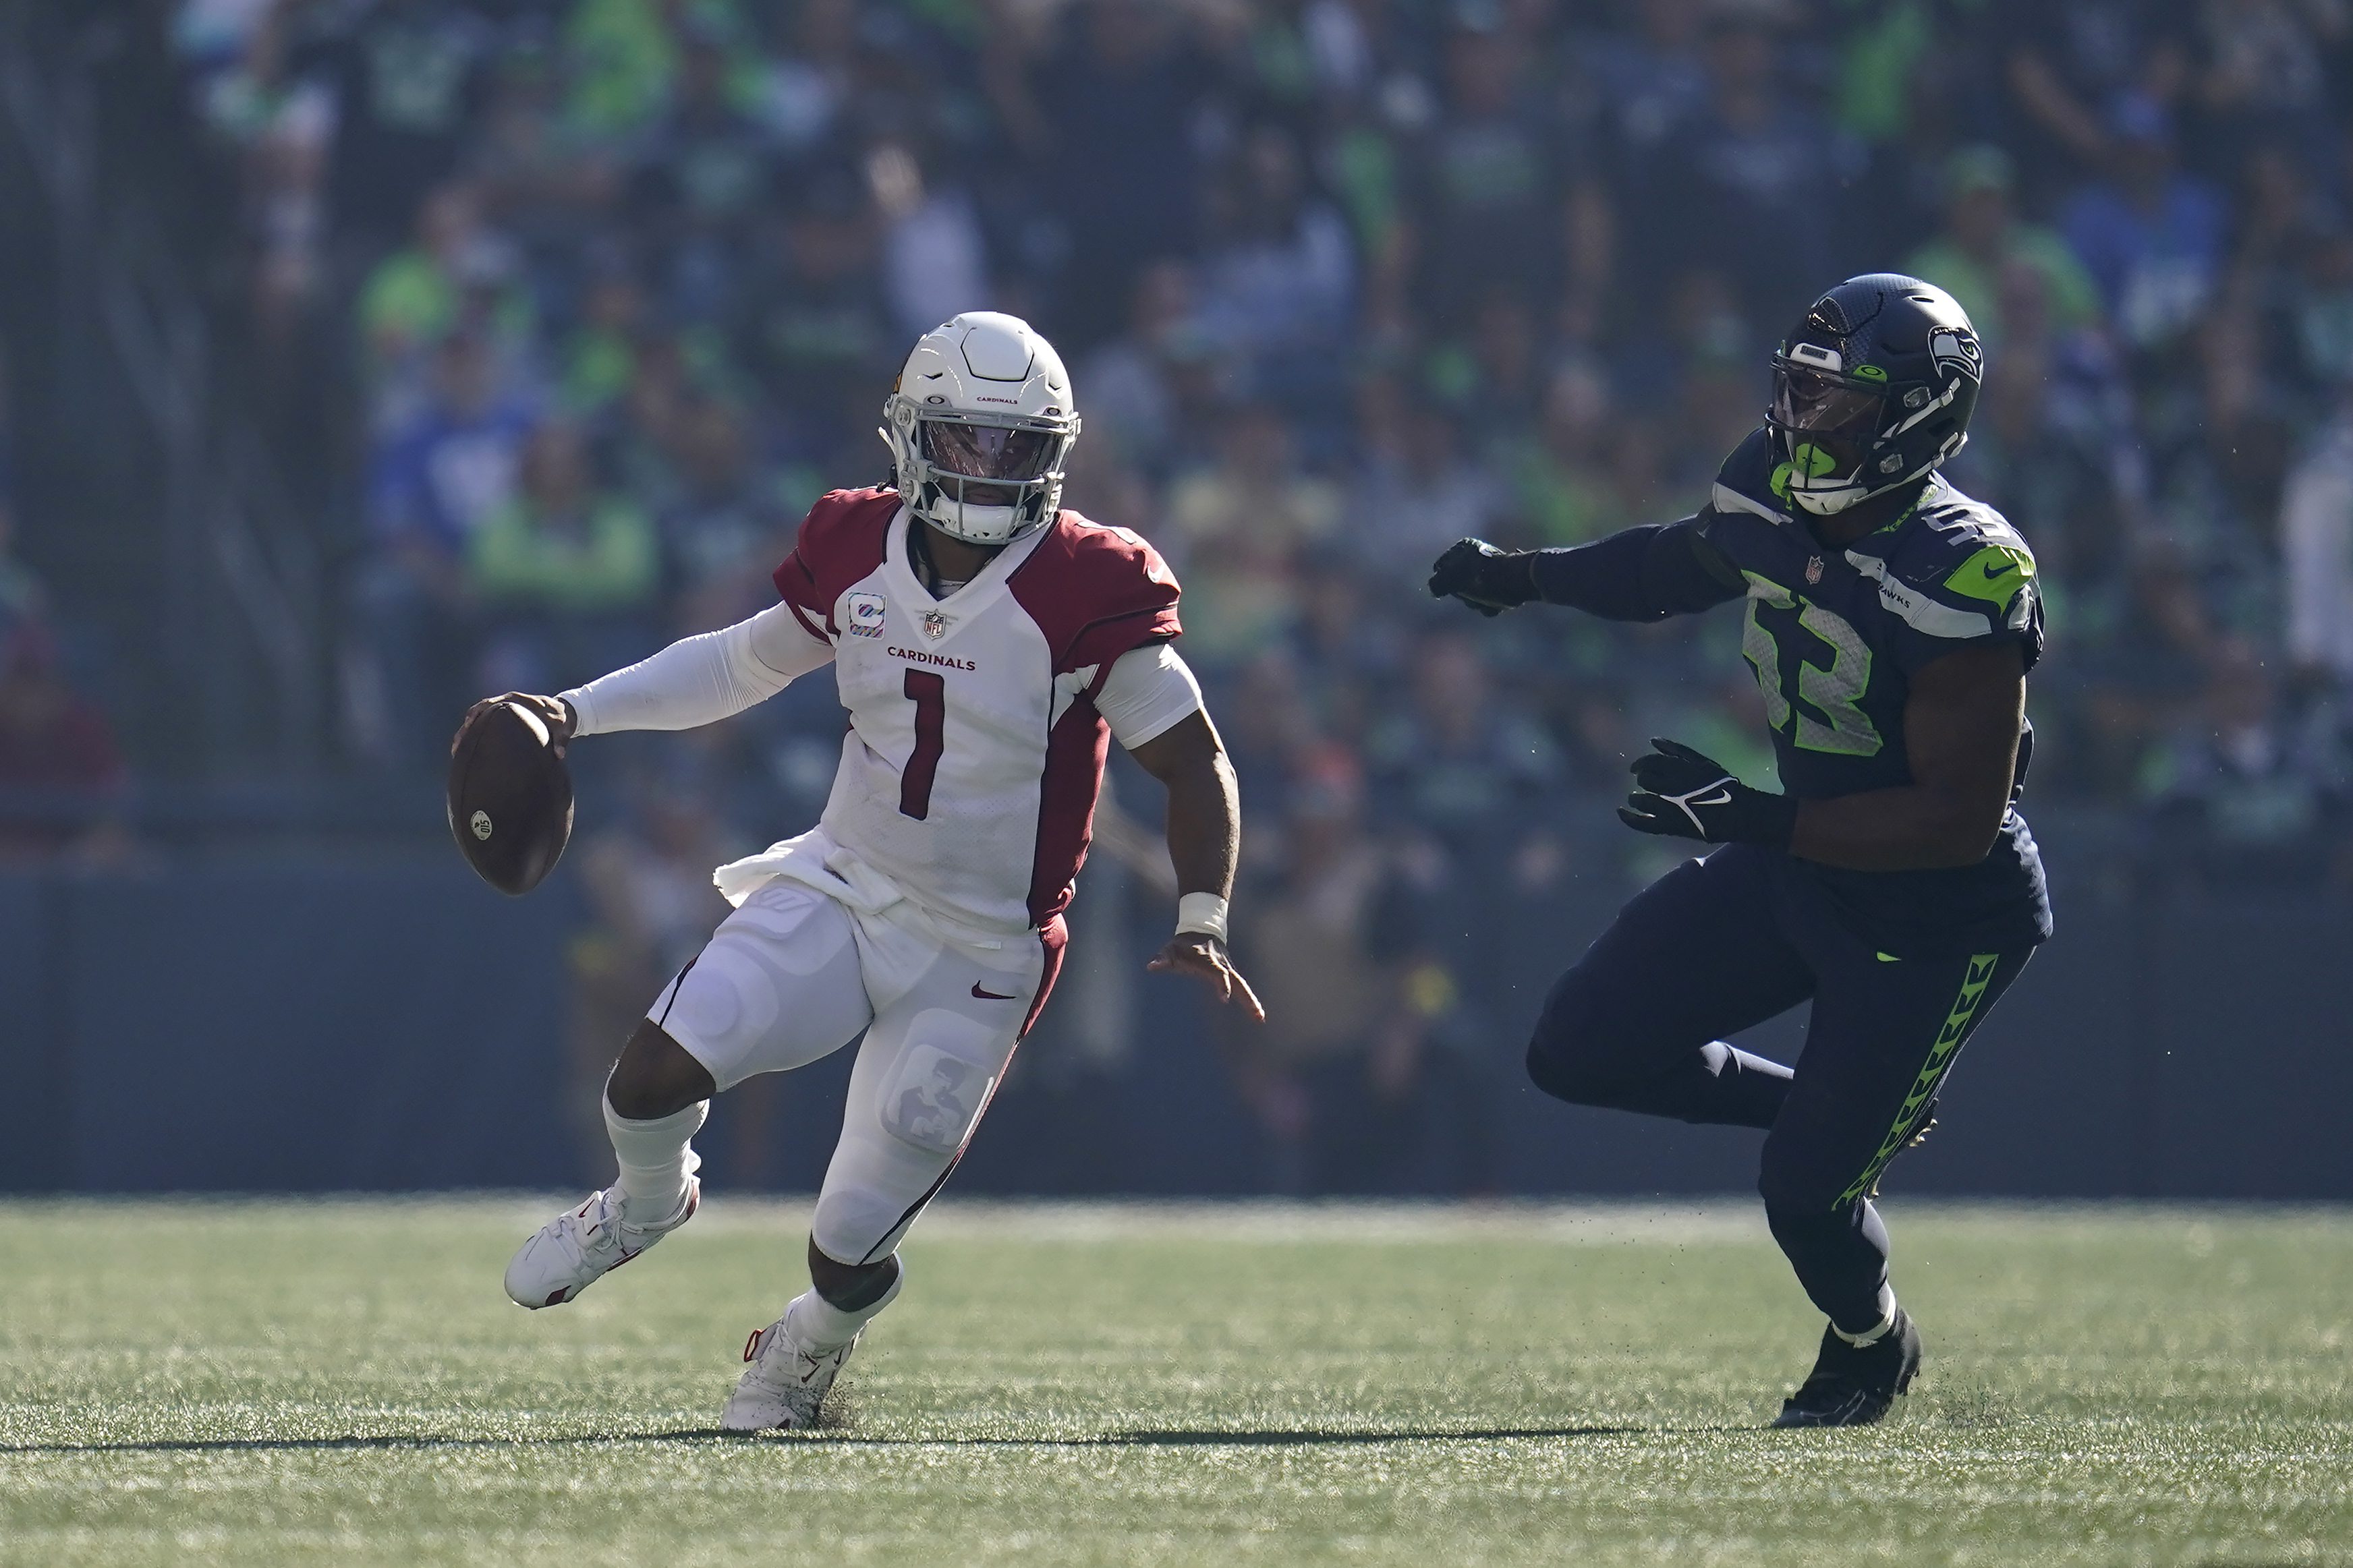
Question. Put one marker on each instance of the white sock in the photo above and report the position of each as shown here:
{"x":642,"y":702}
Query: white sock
{"x":656,"y":1157}
{"x":1878,"y":1331}
{"x":819,"y":1326}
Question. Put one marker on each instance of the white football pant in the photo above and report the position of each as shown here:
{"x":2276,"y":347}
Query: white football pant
{"x":794,"y":975}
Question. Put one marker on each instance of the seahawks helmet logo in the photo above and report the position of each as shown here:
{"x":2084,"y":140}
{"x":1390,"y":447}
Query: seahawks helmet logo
{"x":1955,"y":349}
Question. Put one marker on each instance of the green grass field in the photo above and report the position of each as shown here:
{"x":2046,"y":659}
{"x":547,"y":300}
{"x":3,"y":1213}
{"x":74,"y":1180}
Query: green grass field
{"x":273,"y":1382}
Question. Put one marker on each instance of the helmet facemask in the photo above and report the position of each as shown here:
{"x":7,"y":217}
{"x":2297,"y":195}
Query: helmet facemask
{"x":984,"y":478}
{"x":1827,"y":425}
{"x":1847,"y":437}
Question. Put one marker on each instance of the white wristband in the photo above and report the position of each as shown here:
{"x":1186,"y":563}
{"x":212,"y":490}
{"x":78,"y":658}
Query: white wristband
{"x":1201,"y":913}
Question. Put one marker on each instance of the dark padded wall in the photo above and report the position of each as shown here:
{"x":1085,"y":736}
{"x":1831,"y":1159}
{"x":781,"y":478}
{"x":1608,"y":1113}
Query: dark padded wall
{"x":286,"y":1027}
{"x":314,"y":1025}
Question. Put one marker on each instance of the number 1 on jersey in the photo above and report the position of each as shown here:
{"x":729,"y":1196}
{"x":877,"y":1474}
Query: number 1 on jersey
{"x":928,"y":690}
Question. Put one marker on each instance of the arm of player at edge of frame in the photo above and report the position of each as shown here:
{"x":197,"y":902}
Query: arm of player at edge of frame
{"x":1204,"y":842}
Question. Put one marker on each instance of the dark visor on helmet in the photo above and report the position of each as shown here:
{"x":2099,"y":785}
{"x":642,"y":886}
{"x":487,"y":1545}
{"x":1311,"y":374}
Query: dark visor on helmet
{"x":1826,"y":407}
{"x":987,"y":451}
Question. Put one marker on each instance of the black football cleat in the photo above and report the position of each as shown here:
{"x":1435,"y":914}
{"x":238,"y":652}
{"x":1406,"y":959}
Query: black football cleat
{"x":1851,"y":1386}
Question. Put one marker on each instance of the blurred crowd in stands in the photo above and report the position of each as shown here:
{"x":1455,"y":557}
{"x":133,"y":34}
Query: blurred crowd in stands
{"x":569,"y":308}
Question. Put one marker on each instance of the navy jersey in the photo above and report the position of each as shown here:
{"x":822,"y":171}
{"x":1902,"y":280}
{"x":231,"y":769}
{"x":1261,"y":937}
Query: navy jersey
{"x":1835,"y":637}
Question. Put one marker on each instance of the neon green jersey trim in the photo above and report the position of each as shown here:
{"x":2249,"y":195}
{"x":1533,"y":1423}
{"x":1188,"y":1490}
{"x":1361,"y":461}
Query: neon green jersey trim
{"x":1901,"y":518}
{"x":1994,"y":574}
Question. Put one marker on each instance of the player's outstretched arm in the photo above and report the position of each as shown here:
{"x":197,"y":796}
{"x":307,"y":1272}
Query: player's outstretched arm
{"x":694,"y":681}
{"x":1204,"y":841}
{"x":1644,"y":574}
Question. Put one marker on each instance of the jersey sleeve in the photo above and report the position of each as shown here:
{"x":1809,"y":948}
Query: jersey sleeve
{"x":1097,"y":593}
{"x":1958,"y":590}
{"x":1642,"y":573}
{"x":700,"y":680}
{"x":1147,"y":692}
{"x":840,"y":541}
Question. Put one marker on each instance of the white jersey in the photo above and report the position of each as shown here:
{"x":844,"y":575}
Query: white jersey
{"x":974,"y":753}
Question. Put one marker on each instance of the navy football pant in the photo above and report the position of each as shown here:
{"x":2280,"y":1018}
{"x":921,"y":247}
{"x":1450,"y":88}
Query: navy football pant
{"x":1719,"y":944}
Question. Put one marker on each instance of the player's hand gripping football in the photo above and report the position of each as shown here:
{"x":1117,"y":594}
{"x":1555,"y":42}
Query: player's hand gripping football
{"x":1204,"y":958}
{"x":1489,"y":580}
{"x":552,"y":711}
{"x":1683,"y":793}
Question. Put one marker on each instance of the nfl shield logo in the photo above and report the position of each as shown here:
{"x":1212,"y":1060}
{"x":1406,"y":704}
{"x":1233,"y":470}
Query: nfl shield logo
{"x":1814,"y":569}
{"x":935,"y":625}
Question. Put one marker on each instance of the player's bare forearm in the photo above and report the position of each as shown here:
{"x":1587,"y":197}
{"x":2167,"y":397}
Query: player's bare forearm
{"x":1205,"y":812}
{"x":1961,"y":724}
{"x":1205,"y":835}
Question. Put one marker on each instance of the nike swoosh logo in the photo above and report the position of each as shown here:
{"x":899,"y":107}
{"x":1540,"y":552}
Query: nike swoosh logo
{"x":1717,"y":794}
{"x":2003,"y":570}
{"x":988,"y":996}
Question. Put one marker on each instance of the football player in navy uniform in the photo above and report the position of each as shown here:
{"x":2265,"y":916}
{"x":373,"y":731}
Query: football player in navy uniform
{"x":1892,"y":621}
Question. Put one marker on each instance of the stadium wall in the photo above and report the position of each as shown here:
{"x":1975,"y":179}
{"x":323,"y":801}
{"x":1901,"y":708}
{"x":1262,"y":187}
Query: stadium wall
{"x":320,"y":1024}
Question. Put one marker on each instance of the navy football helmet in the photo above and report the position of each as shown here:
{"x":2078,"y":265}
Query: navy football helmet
{"x":1872,"y":389}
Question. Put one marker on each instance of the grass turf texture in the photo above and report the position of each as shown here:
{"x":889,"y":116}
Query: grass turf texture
{"x":270,"y":1382}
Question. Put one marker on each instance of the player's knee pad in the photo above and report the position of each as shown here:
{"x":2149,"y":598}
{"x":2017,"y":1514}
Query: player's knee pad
{"x":728,"y":993}
{"x":863,"y":1214}
{"x":941,"y":1081}
{"x":775,"y":986}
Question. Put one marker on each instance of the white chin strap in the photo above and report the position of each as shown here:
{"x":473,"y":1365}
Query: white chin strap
{"x":973,"y":524}
{"x":1827,"y":502}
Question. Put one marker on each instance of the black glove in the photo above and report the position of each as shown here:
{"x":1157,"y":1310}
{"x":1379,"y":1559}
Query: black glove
{"x":1489,"y":580}
{"x":1681,"y":794}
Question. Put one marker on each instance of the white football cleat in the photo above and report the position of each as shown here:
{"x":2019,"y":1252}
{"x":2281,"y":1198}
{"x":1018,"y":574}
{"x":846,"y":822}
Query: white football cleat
{"x":784,"y":1383}
{"x":580,"y":1246}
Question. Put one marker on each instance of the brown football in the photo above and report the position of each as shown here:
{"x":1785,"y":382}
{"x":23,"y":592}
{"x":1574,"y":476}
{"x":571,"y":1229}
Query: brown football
{"x":510,"y":798}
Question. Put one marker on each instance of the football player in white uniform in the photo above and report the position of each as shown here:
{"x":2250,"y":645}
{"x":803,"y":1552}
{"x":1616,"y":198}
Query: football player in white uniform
{"x":987,"y":644}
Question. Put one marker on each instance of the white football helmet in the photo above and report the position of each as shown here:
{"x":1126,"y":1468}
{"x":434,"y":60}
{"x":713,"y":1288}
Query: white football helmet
{"x":979,"y":423}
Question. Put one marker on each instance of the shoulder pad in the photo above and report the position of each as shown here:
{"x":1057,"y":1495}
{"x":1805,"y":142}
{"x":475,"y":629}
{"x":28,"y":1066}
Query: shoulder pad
{"x":848,"y":519}
{"x":1968,"y":551}
{"x":841,"y":540}
{"x":1961,"y":569}
{"x":1745,"y":483}
{"x":1096,"y":591}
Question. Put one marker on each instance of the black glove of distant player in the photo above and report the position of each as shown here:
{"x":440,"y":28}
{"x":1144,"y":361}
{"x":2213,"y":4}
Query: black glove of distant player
{"x":1679,"y":793}
{"x":1489,"y":580}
